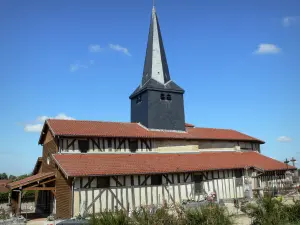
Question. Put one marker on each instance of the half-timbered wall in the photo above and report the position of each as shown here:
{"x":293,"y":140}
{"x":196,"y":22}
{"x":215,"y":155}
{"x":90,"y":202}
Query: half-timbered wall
{"x":121,"y":145}
{"x":98,"y":145}
{"x":127,"y":192}
{"x":229,"y":144}
{"x":272,"y":179}
{"x":175,"y":145}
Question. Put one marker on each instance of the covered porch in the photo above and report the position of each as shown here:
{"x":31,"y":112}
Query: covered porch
{"x":43,"y":185}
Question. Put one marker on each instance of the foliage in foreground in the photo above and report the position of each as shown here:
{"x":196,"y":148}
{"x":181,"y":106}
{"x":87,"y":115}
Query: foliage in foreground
{"x":214,"y":215}
{"x":209,"y":215}
{"x":271,"y":211}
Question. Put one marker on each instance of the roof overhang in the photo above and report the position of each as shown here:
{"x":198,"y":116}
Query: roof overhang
{"x":33,"y":182}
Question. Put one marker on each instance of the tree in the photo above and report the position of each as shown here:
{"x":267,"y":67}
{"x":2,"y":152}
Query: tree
{"x":3,"y":176}
{"x":12,"y":177}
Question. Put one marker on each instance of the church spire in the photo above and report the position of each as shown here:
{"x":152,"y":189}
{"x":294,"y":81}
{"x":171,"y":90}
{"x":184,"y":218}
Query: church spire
{"x":156,"y":66}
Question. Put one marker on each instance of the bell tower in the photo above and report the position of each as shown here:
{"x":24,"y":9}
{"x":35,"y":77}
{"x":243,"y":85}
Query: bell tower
{"x":157,"y":103}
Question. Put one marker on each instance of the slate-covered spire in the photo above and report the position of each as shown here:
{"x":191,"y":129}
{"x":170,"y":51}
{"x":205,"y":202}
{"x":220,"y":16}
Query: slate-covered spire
{"x":157,"y":102}
{"x":156,"y":66}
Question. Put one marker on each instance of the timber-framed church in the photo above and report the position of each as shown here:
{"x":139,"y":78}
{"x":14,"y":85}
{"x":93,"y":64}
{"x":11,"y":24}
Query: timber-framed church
{"x":93,"y":166}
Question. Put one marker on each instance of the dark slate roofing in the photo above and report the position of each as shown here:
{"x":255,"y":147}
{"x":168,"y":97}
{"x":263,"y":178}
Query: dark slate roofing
{"x":156,"y":75}
{"x":152,"y":84}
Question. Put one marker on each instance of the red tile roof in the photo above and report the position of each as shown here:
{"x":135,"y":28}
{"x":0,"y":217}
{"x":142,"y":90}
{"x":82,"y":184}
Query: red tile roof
{"x":119,"y":164}
{"x":29,"y":180}
{"x":135,"y":130}
{"x":3,"y":184}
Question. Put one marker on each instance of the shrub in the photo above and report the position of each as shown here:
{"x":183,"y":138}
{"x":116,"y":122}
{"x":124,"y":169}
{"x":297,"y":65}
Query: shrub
{"x":110,"y":218}
{"x":208,"y":215}
{"x":160,"y":216}
{"x":268,"y":211}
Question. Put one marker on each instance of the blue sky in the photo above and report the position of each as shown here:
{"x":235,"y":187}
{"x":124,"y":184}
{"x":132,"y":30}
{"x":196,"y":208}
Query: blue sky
{"x":237,"y":60}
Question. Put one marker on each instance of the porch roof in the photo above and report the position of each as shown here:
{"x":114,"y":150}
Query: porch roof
{"x":77,"y":165}
{"x":30,"y":180}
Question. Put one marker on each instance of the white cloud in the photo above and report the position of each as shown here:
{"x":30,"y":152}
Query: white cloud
{"x":41,"y":119}
{"x":76,"y":66}
{"x":63,"y":116}
{"x":33,"y":127}
{"x":267,"y":49}
{"x":290,"y":20}
{"x":284,"y":139}
{"x":95,"y":48}
{"x":119,"y":49}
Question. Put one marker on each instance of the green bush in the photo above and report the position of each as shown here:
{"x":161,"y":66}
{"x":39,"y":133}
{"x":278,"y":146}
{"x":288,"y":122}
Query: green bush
{"x":272,"y":211}
{"x":110,"y":218}
{"x":209,"y":215}
{"x":161,"y":216}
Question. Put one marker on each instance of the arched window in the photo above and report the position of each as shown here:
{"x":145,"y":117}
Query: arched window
{"x":169,"y":98}
{"x":162,"y":97}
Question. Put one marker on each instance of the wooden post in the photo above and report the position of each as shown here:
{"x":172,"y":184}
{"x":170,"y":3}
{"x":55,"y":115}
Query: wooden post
{"x":19,"y":202}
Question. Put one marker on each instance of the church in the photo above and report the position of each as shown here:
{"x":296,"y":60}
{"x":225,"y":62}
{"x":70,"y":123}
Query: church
{"x":94,"y":166}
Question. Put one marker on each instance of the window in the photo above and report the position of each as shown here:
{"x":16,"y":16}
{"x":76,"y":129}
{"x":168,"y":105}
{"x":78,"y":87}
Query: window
{"x":103,"y":182}
{"x":133,"y":145}
{"x":198,"y":179}
{"x":169,"y":98}
{"x":162,"y":97}
{"x":83,"y":145}
{"x":138,"y":99}
{"x":238,"y":173}
{"x":156,"y":180}
{"x":109,"y":143}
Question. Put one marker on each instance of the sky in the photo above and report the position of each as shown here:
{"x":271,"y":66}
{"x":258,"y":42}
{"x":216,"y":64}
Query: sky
{"x":238,"y":61}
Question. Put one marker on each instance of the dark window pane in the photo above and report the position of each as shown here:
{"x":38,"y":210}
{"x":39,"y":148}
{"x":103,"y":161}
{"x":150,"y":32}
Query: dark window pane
{"x":198,"y":179}
{"x":109,"y":143}
{"x":156,"y":180}
{"x":162,"y":97}
{"x":169,"y":98}
{"x":103,"y":182}
{"x":83,"y":145}
{"x":133,"y":145}
{"x":238,"y":173}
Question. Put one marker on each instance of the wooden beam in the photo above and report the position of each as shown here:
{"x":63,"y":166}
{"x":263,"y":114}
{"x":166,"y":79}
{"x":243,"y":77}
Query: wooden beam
{"x":39,"y":189}
{"x":43,"y":183}
{"x":71,"y":143}
{"x":145,"y":181}
{"x":186,"y":177}
{"x":167,"y":178}
{"x":88,"y":184}
{"x":145,"y":142}
{"x":54,"y":193}
{"x":94,"y":200}
{"x":120,"y":143}
{"x":117,"y":182}
{"x":97,"y":144}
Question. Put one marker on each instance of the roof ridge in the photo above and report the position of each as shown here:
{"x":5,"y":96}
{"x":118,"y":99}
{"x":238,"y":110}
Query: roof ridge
{"x":97,"y":121}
